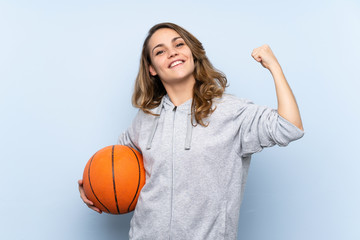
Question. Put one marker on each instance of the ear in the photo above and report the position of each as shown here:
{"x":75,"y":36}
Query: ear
{"x":152,"y":71}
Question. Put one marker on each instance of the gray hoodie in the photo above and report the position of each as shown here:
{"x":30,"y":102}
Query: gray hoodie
{"x":195,"y":176}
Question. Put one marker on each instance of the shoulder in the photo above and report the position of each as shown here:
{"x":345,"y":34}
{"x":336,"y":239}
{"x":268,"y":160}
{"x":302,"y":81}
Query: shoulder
{"x":231,"y":102}
{"x":139,"y":117}
{"x":228,"y":106}
{"x":143,"y":116}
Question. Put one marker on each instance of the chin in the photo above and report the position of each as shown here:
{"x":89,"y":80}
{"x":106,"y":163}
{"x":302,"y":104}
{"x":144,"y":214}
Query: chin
{"x":177,"y":79}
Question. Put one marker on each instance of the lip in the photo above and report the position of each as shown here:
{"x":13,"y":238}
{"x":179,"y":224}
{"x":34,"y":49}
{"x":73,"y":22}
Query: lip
{"x":175,"y":61}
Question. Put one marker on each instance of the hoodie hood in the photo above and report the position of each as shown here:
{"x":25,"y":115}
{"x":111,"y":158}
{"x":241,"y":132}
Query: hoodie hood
{"x":166,"y":104}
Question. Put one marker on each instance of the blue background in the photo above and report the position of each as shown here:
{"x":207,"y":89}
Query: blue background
{"x":67,"y":70}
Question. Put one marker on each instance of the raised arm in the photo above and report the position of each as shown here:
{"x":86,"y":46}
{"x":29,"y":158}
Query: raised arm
{"x":287,"y":106}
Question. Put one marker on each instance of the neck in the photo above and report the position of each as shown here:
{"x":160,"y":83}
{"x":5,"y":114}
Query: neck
{"x":180,"y":92}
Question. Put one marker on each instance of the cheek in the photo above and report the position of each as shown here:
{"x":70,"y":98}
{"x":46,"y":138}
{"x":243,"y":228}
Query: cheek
{"x":158,"y":65}
{"x":161,"y":63}
{"x":191,"y":57}
{"x":192,"y":60}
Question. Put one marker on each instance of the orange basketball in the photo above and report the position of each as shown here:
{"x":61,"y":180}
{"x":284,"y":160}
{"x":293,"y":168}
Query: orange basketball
{"x":113,"y":178}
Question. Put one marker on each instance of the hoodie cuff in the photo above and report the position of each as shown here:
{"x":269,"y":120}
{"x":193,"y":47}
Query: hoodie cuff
{"x":293,"y":132}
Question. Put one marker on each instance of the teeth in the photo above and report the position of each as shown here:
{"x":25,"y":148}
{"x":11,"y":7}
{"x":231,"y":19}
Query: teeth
{"x":175,"y":63}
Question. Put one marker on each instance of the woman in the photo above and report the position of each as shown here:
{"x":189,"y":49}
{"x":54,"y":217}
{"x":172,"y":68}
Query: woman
{"x":197,"y":141}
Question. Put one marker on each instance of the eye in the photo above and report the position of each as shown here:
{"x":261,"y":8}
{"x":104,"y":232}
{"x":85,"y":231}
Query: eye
{"x":179,"y":44}
{"x":159,"y":52}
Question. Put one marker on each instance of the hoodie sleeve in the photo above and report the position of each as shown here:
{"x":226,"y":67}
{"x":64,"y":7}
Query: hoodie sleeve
{"x":262,"y":126}
{"x":130,"y":137}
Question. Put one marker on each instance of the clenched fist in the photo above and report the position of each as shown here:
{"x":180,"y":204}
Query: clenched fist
{"x":265,"y":56}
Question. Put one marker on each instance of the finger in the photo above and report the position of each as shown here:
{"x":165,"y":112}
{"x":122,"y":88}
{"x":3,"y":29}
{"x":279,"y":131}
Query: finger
{"x":85,"y":199}
{"x":80,"y":182}
{"x":257,"y":58}
{"x":255,"y":55}
{"x":83,"y":196}
{"x":81,"y":189}
{"x":95,"y":209}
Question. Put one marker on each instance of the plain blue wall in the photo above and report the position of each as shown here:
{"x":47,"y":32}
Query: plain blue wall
{"x":67,"y":70}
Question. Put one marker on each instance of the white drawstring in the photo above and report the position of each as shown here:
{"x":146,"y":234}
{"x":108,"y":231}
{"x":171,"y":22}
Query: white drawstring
{"x":189,"y":128}
{"x":156,"y":120}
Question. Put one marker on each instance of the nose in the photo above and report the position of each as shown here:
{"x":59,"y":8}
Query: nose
{"x":172,"y":52}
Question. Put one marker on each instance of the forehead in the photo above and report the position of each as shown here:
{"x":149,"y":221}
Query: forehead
{"x":162,"y":36}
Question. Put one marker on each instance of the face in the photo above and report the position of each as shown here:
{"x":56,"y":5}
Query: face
{"x":171,"y":58}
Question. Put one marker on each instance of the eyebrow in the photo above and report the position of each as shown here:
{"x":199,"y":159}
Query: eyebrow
{"x":161,"y":44}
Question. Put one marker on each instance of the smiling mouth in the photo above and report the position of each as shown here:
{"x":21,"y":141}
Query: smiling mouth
{"x":176,"y":63}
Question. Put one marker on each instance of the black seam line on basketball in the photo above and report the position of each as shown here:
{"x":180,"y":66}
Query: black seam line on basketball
{"x":91,"y":185}
{"x":112,"y":160}
{"x":139,"y":178}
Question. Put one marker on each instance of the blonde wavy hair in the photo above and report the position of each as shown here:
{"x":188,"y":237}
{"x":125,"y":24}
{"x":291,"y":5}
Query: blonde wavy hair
{"x":209,"y":82}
